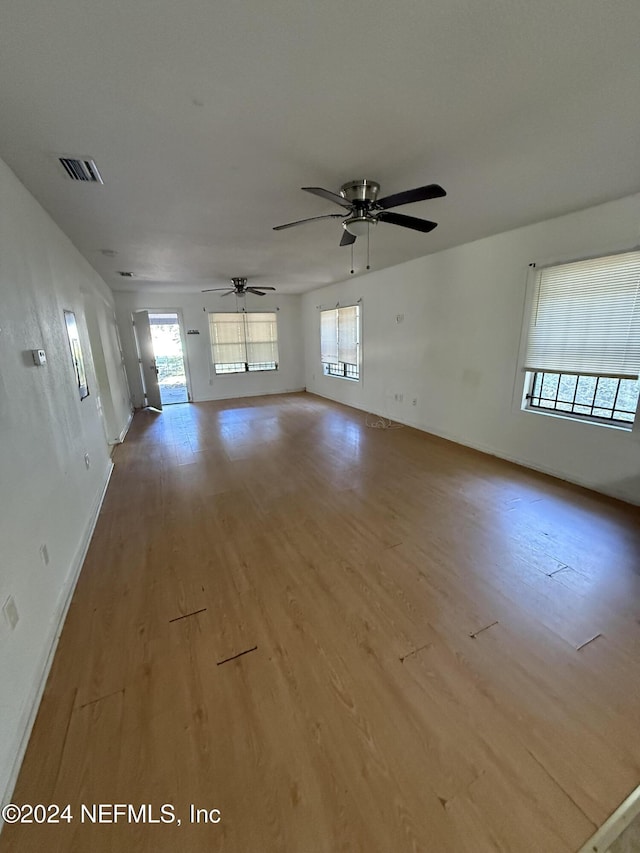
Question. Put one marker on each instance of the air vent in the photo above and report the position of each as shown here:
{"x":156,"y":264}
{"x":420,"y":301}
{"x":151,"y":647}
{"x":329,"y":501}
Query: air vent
{"x":81,"y":169}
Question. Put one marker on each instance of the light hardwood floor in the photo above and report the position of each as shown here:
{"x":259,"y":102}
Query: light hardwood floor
{"x":421,"y":680}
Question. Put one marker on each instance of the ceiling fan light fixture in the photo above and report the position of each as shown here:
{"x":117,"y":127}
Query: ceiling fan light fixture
{"x":358,"y":225}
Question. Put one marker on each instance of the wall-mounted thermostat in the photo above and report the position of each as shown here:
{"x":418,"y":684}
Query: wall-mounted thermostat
{"x":39,"y":357}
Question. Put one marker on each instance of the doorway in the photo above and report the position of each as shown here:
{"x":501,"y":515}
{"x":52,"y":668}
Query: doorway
{"x":166,"y":339}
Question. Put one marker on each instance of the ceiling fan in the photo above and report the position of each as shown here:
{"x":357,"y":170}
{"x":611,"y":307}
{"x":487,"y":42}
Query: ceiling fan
{"x":364,"y":208}
{"x":240,"y":288}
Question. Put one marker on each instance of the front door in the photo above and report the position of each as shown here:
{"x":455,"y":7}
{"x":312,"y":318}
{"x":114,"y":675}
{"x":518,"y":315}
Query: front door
{"x":147,"y":359}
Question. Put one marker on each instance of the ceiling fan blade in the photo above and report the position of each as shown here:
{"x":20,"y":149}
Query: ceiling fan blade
{"x":311,"y":219}
{"x":408,"y":196}
{"x":347,"y":239}
{"x":230,"y":291}
{"x":334,"y":197}
{"x":264,"y":287}
{"x":213,"y":289}
{"x":257,"y":292}
{"x":413,"y":222}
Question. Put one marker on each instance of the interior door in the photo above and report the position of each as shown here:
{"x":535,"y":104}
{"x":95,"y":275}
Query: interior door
{"x":147,"y":358}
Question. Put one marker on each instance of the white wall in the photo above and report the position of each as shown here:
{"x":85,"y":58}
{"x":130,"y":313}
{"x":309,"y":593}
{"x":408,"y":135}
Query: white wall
{"x":458,"y":347}
{"x":204,"y":384}
{"x":47,"y":495}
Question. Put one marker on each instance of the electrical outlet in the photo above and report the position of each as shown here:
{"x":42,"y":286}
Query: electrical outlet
{"x":398,"y":398}
{"x":44,"y":554}
{"x":87,"y":460}
{"x":11,"y":612}
{"x":399,"y":318}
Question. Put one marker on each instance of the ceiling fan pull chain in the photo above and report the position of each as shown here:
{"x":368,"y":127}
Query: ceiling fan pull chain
{"x":352,"y":259}
{"x":368,"y":230}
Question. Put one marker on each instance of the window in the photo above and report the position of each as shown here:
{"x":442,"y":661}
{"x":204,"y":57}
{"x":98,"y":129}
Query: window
{"x":603,"y":397}
{"x":244,"y":342}
{"x":340,"y":342}
{"x":583,"y":346}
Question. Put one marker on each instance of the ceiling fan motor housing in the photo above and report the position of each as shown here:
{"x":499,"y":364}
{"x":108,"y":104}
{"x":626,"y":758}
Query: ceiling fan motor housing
{"x":361,"y":193}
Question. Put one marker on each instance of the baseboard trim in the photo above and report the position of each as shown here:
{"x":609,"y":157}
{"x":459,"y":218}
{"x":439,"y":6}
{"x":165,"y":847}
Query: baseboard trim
{"x":615,"y":825}
{"x":52,"y":644}
{"x":125,"y":430}
{"x":245,"y":396}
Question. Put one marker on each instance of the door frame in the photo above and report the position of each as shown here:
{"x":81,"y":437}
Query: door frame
{"x":183,"y":340}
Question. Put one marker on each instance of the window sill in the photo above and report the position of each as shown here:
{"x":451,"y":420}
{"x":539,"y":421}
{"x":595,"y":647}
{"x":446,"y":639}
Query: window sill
{"x":567,"y":416}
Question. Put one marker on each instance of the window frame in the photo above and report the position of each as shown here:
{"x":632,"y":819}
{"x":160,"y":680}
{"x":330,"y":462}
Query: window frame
{"x":247,"y":367}
{"x":523,"y":387}
{"x":340,"y":369}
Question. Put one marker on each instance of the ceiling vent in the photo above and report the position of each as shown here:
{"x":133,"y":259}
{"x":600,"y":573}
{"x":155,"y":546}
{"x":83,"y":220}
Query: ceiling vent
{"x":81,"y":169}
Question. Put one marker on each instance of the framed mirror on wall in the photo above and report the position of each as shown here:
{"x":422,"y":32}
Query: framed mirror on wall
{"x":76,"y":353}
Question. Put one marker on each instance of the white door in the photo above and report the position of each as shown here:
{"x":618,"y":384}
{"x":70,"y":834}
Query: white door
{"x":147,"y":359}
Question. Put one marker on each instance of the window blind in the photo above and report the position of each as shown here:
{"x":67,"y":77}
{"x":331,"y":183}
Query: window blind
{"x":227,"y":338}
{"x":339,"y":335}
{"x":348,"y":334}
{"x":329,"y":337}
{"x":585,"y":318}
{"x":244,"y":338}
{"x":262,"y":338}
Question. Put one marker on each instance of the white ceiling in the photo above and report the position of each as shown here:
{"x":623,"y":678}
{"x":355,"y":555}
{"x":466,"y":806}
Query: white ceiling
{"x":205,"y":118}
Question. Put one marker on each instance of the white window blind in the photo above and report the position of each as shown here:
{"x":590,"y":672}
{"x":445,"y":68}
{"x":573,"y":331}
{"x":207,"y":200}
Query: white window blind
{"x":262,"y":338}
{"x":247,"y":339}
{"x":329,"y":337}
{"x":227,"y":338}
{"x":585,"y":318}
{"x":348,"y":334}
{"x":339,"y":336}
